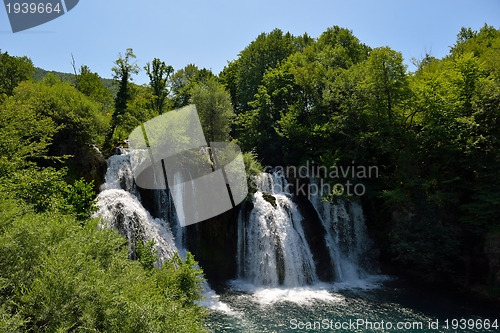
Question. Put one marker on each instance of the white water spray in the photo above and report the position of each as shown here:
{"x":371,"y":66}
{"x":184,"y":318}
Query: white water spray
{"x":346,"y":235}
{"x":273,"y":250}
{"x":120,"y":207}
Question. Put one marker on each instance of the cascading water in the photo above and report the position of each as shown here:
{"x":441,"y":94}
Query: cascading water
{"x":120,"y":207}
{"x":272,"y":246}
{"x":346,"y":235}
{"x":267,"y":298}
{"x":119,"y":174}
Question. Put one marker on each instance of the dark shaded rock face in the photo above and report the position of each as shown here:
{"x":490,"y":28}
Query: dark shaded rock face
{"x":315,"y":235}
{"x":492,"y":251}
{"x":214,"y":245}
{"x":313,"y":228}
{"x":89,"y":163}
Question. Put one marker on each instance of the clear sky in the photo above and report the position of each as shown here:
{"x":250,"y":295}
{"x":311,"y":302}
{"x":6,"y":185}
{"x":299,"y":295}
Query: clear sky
{"x":210,"y":33}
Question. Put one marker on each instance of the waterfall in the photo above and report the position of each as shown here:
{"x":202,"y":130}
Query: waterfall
{"x":346,"y":237}
{"x":119,"y":174}
{"x":120,"y":208}
{"x":272,"y":247}
{"x":167,"y":211}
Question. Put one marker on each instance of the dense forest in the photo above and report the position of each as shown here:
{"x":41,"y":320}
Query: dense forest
{"x":433,"y":133}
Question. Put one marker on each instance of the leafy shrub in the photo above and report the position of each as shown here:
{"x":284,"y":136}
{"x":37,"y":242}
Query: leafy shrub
{"x":57,"y":275}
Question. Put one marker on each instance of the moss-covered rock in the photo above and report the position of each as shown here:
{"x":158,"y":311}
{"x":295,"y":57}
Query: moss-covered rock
{"x":269,"y":198}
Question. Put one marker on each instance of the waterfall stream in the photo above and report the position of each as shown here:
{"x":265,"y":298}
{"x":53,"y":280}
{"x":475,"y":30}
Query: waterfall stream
{"x":120,"y":207}
{"x":279,"y":282}
{"x":346,"y":237}
{"x":272,"y":247}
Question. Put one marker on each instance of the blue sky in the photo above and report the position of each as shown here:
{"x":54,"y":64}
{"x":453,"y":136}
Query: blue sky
{"x":210,"y":33}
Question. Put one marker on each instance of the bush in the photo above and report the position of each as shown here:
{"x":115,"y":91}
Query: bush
{"x":57,"y":276}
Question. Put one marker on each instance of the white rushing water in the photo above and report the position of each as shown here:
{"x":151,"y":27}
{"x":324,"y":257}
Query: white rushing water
{"x":120,"y":207}
{"x":274,"y":257}
{"x":273,"y":249}
{"x":346,"y":235}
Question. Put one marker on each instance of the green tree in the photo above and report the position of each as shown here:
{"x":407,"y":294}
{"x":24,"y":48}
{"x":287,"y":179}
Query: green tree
{"x":159,"y":74}
{"x":386,"y":82}
{"x":181,"y":279}
{"x":214,"y":107}
{"x":57,"y":275}
{"x":139,"y":110}
{"x":74,"y":124}
{"x":146,"y":253}
{"x":25,"y":135}
{"x":243,"y":75}
{"x":79,"y":120}
{"x":13,"y":70}
{"x":81,"y":199}
{"x":184,"y":80}
{"x":123,"y":71}
{"x":347,"y":49}
{"x":90,"y":84}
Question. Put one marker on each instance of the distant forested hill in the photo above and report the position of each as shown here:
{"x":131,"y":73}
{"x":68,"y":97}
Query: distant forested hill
{"x":40,"y":74}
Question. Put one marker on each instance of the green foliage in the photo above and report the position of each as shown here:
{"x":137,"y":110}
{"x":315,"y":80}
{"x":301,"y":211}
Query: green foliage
{"x":181,"y":280}
{"x":139,"y":110}
{"x":146,"y":254}
{"x":213,"y":104}
{"x":424,"y":243}
{"x":252,"y":165}
{"x":70,"y":77}
{"x":432,"y":133}
{"x":244,"y":75}
{"x":78,"y":120}
{"x":385,"y":83}
{"x":25,"y":134}
{"x":58,"y":271}
{"x":43,"y":189}
{"x":13,"y":70}
{"x":91,"y":85}
{"x":59,"y":276}
{"x":343,"y":40}
{"x":123,"y":71}
{"x":293,"y":108}
{"x":159,"y":74}
{"x":183,"y":81}
{"x":81,"y":197}
{"x":253,"y":168}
